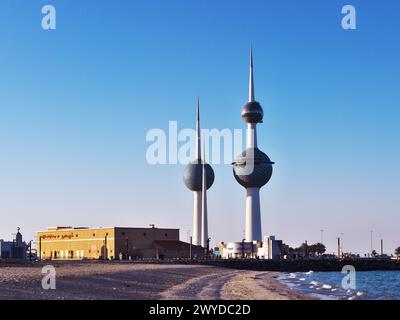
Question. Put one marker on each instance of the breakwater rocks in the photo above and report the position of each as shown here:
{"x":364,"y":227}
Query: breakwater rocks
{"x":304,"y":265}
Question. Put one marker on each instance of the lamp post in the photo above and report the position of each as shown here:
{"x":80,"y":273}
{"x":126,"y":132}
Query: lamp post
{"x":30,"y":250}
{"x":341,"y":240}
{"x":372,"y":246}
{"x":40,"y":248}
{"x":190,"y":247}
{"x":208,"y":248}
{"x":243,"y":240}
{"x":127,"y":248}
{"x":105,"y":248}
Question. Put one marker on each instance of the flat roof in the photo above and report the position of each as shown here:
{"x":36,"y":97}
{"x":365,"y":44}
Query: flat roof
{"x":49,"y":229}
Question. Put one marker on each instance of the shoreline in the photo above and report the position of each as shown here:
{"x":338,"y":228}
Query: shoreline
{"x":131,"y":281}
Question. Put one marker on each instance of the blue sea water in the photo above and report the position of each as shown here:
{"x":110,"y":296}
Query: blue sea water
{"x":369,"y":285}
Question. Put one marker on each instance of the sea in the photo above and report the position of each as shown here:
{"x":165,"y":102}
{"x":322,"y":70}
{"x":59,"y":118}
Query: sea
{"x":368,"y":285}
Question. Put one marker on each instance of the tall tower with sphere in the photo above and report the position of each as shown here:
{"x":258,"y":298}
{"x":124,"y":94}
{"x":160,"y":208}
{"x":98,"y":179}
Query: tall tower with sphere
{"x":193,"y":179}
{"x":252,"y":168}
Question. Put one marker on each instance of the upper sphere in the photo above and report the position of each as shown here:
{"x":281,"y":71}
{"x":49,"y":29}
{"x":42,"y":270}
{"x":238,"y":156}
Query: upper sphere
{"x":252,"y":168}
{"x":252,"y":112}
{"x":193,"y":175}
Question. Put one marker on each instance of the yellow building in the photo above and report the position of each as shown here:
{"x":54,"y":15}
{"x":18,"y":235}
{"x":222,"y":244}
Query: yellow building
{"x":113,"y":243}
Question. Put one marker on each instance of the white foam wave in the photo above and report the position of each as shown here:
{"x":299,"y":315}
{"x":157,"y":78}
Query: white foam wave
{"x":326,"y":286}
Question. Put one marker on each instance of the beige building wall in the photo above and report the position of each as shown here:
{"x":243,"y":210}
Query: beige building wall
{"x":66,"y":243}
{"x":76,"y":243}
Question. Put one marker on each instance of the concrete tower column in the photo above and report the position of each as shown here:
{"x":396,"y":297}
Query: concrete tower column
{"x":251,"y":135}
{"x":197,"y":217}
{"x":253,"y":215}
{"x":204,"y":218}
{"x":198,"y":199}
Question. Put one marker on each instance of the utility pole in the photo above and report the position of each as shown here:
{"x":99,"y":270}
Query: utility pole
{"x":105,"y":248}
{"x":127,"y":248}
{"x":381,"y":247}
{"x":30,"y":250}
{"x":40,"y":248}
{"x":341,"y":243}
{"x":338,"y":247}
{"x":190,"y":250}
{"x":208,"y":248}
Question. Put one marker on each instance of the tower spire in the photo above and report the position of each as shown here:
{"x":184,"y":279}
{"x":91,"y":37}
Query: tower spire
{"x":251,"y":80}
{"x":198,"y":142}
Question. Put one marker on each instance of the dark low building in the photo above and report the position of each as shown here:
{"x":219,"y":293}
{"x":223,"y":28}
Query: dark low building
{"x":177,"y":249}
{"x":15,"y":249}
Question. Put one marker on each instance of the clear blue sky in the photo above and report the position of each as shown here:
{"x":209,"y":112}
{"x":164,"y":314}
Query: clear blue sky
{"x":76,"y":104}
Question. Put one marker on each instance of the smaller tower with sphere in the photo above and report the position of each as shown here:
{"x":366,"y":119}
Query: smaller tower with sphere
{"x":193,"y":179}
{"x":252,"y":168}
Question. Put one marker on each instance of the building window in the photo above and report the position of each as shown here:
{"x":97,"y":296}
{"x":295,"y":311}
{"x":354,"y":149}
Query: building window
{"x":144,"y":234}
{"x":166,"y":234}
{"x":122,"y":233}
{"x":94,"y":234}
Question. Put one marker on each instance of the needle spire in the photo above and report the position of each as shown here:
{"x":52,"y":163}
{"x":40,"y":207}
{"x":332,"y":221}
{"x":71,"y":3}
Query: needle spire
{"x":251,"y":81}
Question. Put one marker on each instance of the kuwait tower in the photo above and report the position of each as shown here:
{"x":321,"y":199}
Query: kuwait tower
{"x":194,"y":180}
{"x":252,"y":168}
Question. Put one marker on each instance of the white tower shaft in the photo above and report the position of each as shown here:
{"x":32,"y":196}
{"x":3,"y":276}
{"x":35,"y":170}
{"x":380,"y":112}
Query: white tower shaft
{"x":251,"y":135}
{"x":253,"y":215}
{"x":197,"y":213}
{"x":253,"y":211}
{"x":204,"y":218}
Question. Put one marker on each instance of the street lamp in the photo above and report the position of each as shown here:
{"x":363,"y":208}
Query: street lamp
{"x":243,"y":240}
{"x":341,"y":242}
{"x":208,"y":247}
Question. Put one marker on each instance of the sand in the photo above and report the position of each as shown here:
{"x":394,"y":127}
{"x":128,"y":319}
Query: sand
{"x":96,"y":280}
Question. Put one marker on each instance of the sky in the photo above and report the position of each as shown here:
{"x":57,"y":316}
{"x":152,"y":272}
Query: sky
{"x":76,"y":104}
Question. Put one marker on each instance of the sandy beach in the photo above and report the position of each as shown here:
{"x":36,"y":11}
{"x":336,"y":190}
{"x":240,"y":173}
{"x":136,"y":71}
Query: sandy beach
{"x":95,"y":280}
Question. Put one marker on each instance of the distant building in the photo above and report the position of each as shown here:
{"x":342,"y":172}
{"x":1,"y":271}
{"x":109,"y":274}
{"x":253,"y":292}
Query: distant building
{"x":235,"y":250}
{"x":269,"y":249}
{"x":66,"y":243}
{"x":15,"y":249}
{"x":272,"y":248}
